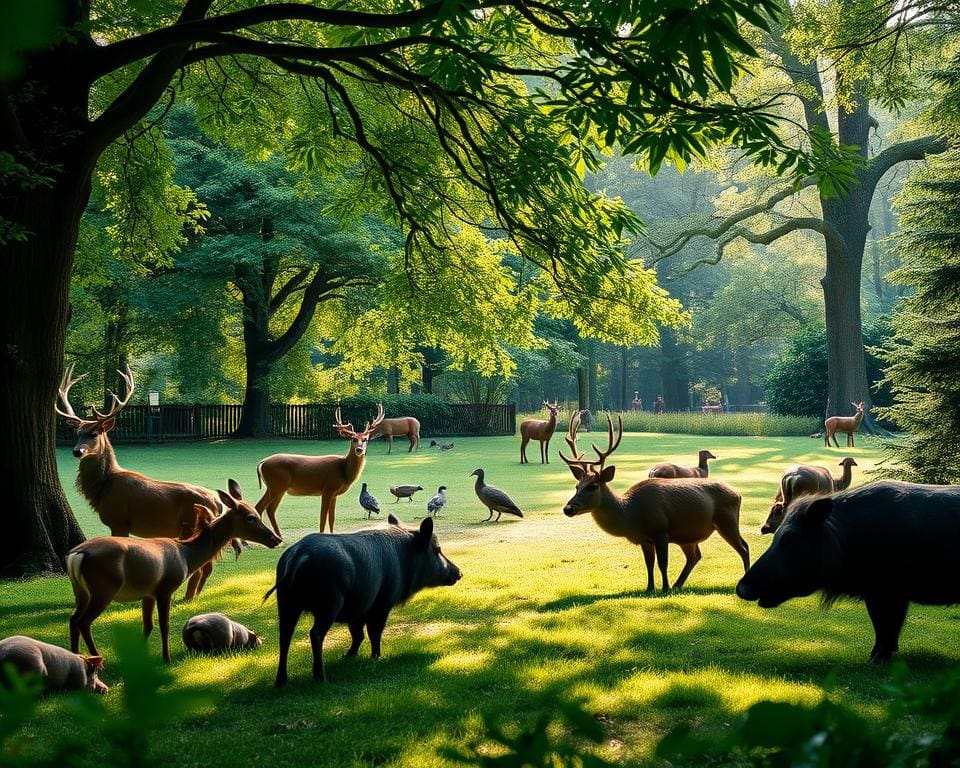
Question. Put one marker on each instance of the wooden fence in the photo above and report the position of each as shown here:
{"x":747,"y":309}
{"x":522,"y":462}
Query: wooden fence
{"x":308,"y":421}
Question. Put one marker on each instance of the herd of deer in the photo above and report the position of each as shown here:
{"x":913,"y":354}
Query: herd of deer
{"x":182,"y":528}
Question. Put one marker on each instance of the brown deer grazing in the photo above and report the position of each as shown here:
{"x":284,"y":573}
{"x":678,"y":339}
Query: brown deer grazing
{"x":805,"y":480}
{"x":655,"y":512}
{"x":128,"y":502}
{"x":323,"y":476}
{"x":538,"y":429}
{"x":848,"y":424}
{"x":406,"y":426}
{"x":109,"y":568}
{"x":675,"y":470}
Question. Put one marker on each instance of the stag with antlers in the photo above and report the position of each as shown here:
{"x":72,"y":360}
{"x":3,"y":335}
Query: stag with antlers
{"x":323,"y":476}
{"x":655,"y":512}
{"x":127,"y":502}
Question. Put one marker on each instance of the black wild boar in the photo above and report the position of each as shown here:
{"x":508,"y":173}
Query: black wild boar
{"x":886,"y":543}
{"x":355,"y":579}
{"x":60,"y":669}
{"x":215,"y":632}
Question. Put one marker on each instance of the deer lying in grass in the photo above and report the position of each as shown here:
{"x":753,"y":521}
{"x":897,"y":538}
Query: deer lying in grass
{"x":128,"y":502}
{"x":675,"y":470}
{"x":323,"y":476}
{"x":113,"y":568}
{"x":406,"y":426}
{"x":847,"y":424}
{"x":655,"y":512}
{"x":805,"y":480}
{"x":538,"y":429}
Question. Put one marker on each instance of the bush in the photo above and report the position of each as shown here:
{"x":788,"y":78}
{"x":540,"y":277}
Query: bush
{"x":719,"y":424}
{"x":797,"y":383}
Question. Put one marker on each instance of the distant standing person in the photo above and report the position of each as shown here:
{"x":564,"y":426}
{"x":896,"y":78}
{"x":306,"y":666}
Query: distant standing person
{"x":636,"y":404}
{"x":658,"y":404}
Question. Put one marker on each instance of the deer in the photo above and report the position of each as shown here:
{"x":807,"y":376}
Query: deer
{"x":654,"y":512}
{"x":667,"y":469}
{"x":406,"y":426}
{"x":848,"y":424}
{"x":805,"y":480}
{"x":325,"y":476}
{"x":127,"y":502}
{"x":538,"y":429}
{"x":116,"y":568}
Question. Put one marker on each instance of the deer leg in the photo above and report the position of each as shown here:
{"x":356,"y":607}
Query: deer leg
{"x":389,"y":444}
{"x":834,"y":436}
{"x":662,"y":545}
{"x":826,"y":438}
{"x":82,"y":597}
{"x":205,"y":572}
{"x":269,"y":504}
{"x":163,"y":615}
{"x":288,"y":615}
{"x":730,"y":533}
{"x":545,"y":449}
{"x":356,"y":637}
{"x":413,"y":442}
{"x":97,"y":605}
{"x":146,"y":608}
{"x":649,"y":557}
{"x":692,"y":551}
{"x":523,"y":449}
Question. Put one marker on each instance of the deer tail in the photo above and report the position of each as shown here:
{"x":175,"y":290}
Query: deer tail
{"x":75,"y":572}
{"x":260,"y":475}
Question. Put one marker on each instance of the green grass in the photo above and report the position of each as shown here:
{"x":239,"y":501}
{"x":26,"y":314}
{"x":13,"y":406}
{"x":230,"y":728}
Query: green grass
{"x":549,"y":609}
{"x":697,"y":423}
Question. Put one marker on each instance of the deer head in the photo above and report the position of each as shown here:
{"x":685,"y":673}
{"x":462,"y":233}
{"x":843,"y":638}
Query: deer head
{"x":358,"y":440}
{"x":858,"y":407}
{"x":91,"y":433}
{"x":554,"y":409}
{"x":591,"y":475}
{"x":243,"y":519}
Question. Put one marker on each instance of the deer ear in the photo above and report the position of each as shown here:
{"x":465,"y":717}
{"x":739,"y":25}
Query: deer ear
{"x":607,"y":475}
{"x":576,"y":471}
{"x":820,"y":509}
{"x":107,"y":424}
{"x":392,"y":519}
{"x":228,"y":501}
{"x":234,"y":487}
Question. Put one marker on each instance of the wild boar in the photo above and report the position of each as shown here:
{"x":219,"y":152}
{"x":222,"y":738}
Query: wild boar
{"x":355,"y":579}
{"x":886,"y":543}
{"x":60,"y":669}
{"x":213,"y":632}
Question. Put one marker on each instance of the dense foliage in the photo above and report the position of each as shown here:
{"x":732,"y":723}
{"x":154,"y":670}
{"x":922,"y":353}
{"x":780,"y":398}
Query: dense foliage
{"x":797,"y":383}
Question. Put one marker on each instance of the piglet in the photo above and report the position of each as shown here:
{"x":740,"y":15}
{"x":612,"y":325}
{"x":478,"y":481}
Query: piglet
{"x":60,"y":669}
{"x":211,"y":632}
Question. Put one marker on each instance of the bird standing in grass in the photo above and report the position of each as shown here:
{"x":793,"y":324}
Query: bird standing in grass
{"x":437,"y":502}
{"x":368,"y":502}
{"x":405,"y":491}
{"x":493,"y":498}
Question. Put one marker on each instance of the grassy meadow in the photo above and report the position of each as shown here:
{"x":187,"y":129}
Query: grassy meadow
{"x":550,"y":609}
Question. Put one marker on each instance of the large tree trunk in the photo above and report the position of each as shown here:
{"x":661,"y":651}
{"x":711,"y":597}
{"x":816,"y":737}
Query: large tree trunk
{"x":255,"y":420}
{"x":673,"y":373}
{"x":40,"y":528}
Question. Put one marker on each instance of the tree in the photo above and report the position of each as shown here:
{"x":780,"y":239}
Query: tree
{"x":799,"y":46}
{"x":428,"y":103}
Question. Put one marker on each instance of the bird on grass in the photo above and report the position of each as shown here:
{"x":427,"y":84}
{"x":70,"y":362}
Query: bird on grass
{"x":441,"y":446}
{"x":438,"y":501}
{"x":493,"y":498}
{"x":368,"y":502}
{"x":405,"y":491}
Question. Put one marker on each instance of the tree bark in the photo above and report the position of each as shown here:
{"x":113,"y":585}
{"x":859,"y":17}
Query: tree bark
{"x":41,"y":528}
{"x":673,"y":373}
{"x":625,"y":399}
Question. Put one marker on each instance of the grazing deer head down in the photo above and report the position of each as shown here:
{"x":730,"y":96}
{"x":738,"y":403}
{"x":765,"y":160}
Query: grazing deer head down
{"x":324,"y":476}
{"x":128,"y":502}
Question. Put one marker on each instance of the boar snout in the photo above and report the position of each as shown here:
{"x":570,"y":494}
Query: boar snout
{"x":766,"y":528}
{"x":454,"y":575}
{"x":745,"y":591}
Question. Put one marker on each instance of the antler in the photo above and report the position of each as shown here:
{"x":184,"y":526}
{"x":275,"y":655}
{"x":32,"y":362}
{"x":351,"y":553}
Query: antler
{"x":118,"y":404}
{"x":63,"y":394}
{"x":369,"y":429}
{"x":611,"y":445}
{"x":345,"y":430}
{"x":571,"y":439}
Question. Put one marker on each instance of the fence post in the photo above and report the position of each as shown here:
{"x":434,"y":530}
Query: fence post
{"x":197,"y":430}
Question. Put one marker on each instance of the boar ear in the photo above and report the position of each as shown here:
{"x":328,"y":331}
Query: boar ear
{"x":607,"y":475}
{"x":392,"y":519}
{"x":228,"y":501}
{"x":93,"y":662}
{"x":426,"y":529}
{"x":820,"y":509}
{"x":234,"y":487}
